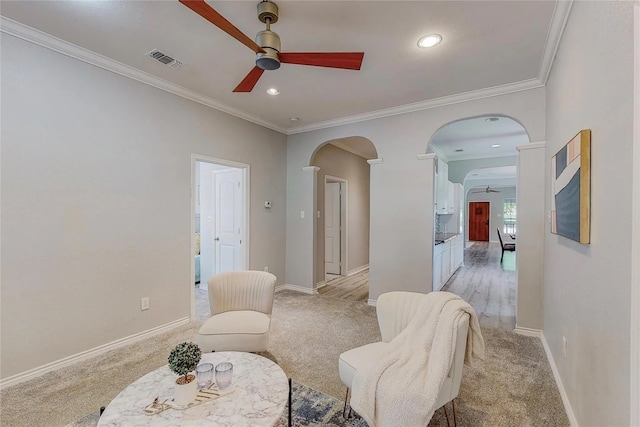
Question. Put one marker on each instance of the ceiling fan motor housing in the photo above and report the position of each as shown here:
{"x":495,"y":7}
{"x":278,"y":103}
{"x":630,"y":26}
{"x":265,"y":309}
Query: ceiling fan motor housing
{"x":270,"y":43}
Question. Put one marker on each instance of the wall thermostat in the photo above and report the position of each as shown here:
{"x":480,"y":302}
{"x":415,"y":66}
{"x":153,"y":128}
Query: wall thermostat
{"x":267,"y":204}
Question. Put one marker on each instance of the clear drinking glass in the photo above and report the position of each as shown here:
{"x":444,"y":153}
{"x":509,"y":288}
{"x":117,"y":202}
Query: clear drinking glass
{"x":204,"y":375}
{"x":224,"y":372}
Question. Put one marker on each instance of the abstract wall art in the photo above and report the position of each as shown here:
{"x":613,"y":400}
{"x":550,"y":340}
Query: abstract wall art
{"x":571,"y":189}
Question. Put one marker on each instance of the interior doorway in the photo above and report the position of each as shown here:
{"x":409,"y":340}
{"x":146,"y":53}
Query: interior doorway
{"x":220,"y":203}
{"x":335,"y":227}
{"x":479,"y":214}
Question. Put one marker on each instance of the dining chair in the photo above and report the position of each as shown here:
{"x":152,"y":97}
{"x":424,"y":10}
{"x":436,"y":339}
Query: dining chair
{"x":505,"y":246}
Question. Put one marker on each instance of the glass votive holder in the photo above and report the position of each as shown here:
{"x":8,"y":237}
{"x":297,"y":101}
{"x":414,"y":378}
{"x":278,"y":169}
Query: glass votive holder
{"x":224,"y":372}
{"x":204,"y":375}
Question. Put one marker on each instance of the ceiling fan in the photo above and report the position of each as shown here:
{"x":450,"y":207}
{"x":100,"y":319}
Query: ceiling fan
{"x":487,"y":190}
{"x":267,"y":44}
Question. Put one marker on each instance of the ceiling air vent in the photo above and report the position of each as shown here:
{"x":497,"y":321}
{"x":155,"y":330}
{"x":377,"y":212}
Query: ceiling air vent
{"x":165,"y":59}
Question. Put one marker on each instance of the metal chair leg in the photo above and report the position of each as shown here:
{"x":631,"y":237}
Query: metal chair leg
{"x":290,"y":392}
{"x":453,"y":405}
{"x":444,"y":407}
{"x":344,"y":410}
{"x":102,"y":408}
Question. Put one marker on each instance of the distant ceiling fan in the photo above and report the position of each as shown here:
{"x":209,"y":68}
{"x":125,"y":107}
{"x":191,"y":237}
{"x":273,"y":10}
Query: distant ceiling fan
{"x":267,"y":44}
{"x":487,"y":190}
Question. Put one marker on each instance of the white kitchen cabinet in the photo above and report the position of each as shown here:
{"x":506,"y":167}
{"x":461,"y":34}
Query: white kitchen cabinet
{"x":437,"y":267}
{"x":445,"y":262}
{"x":442,"y":188}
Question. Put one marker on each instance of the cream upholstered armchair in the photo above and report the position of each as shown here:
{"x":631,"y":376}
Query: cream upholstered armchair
{"x":394,"y":311}
{"x":241,"y":303}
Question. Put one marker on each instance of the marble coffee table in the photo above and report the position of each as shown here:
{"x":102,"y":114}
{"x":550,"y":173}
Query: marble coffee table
{"x":257,"y":396}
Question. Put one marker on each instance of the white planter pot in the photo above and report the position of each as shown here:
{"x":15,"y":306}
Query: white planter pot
{"x":185,"y":393}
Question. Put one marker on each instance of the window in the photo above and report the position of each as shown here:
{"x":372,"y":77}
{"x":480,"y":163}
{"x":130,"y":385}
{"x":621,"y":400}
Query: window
{"x":509,"y":216}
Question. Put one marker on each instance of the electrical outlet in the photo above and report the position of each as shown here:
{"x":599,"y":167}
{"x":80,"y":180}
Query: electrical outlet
{"x":266,"y":268}
{"x":565,"y":347}
{"x":301,"y":214}
{"x":144,"y":303}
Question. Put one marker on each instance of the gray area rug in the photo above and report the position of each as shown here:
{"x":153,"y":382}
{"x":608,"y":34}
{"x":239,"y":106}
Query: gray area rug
{"x":514,"y":386}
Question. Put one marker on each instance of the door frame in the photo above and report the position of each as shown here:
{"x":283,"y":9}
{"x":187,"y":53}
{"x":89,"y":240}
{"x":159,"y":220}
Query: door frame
{"x":344,"y":245}
{"x":469,"y":219}
{"x":246,"y":171}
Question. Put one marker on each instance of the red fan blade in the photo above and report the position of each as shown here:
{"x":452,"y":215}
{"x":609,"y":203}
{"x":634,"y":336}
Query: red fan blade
{"x":208,"y":13}
{"x":346,"y":60}
{"x":247,"y":84}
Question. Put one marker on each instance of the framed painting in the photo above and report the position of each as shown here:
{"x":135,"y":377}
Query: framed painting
{"x":571,"y":189}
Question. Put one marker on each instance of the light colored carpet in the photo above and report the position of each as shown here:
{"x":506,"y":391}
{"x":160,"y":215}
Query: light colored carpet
{"x":514,"y":386}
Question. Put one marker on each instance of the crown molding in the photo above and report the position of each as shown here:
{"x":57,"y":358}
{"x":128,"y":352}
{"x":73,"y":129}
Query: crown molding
{"x":423,"y":105}
{"x":531,"y":146}
{"x":375,"y":161}
{"x":556,"y":28}
{"x":48,"y":41}
{"x":310,"y":169}
{"x":426,"y":156}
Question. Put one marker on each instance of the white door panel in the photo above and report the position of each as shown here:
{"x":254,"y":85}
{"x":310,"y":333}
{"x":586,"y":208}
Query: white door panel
{"x":229,"y":206}
{"x":332,"y":227}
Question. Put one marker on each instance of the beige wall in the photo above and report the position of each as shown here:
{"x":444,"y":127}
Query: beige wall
{"x":96,"y":203}
{"x":587,"y":288}
{"x":339,"y":163}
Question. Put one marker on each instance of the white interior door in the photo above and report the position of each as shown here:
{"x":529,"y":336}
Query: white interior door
{"x":229,"y":220}
{"x":332,"y":225}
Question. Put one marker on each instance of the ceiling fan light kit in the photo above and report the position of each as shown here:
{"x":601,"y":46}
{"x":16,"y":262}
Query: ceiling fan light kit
{"x":267,"y":44}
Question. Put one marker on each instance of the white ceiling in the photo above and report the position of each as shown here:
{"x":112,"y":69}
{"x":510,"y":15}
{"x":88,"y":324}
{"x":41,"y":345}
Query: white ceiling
{"x":476,"y":136}
{"x":486,"y":44}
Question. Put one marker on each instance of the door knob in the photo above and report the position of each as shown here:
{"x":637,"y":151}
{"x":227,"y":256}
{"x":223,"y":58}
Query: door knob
{"x":216,"y":239}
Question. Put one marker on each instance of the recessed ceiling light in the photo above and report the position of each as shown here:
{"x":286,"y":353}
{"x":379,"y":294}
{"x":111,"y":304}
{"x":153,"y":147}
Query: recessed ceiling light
{"x":273,"y":91}
{"x":430,"y":41}
{"x":495,"y":146}
{"x":491,"y":119}
{"x":293,"y":119}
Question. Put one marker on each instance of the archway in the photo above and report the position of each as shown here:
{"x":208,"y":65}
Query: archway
{"x":341,"y":218}
{"x":477,"y":156}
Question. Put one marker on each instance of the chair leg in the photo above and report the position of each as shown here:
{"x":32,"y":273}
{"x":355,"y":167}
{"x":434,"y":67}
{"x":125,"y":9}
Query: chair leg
{"x":290,"y":392}
{"x":502,"y":256}
{"x":102,"y":408}
{"x":346,"y":400}
{"x":444,"y":407}
{"x":453,"y":405}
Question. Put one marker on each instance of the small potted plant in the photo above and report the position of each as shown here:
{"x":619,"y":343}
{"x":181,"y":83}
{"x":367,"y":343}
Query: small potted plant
{"x":183,"y":359}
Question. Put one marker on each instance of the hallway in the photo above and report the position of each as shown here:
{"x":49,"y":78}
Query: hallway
{"x":490,"y":287}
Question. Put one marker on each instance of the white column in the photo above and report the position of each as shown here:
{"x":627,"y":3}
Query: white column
{"x":530,"y":216}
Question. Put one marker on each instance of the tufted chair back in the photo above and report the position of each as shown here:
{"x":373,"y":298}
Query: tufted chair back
{"x":242,"y":290}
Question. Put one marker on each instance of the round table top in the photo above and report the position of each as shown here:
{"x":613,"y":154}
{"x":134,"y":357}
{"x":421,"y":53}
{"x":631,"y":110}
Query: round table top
{"x":256,"y":397}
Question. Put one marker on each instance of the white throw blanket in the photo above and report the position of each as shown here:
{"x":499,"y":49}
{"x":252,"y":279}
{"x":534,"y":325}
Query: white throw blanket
{"x":402,"y":387}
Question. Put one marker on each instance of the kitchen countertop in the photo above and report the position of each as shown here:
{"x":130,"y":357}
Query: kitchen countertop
{"x":443,"y":237}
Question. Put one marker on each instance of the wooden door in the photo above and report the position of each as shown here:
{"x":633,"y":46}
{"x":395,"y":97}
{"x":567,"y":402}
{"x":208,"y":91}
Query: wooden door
{"x":479,"y":221}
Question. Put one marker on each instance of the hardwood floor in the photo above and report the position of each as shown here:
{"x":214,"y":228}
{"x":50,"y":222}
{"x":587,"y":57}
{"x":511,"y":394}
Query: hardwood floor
{"x":490,"y":287}
{"x":354,"y":288}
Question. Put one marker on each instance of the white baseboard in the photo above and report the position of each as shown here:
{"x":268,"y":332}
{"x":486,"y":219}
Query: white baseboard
{"x":372,"y":302}
{"x":528,"y":332}
{"x":70,"y":360}
{"x":297,"y":289}
{"x":358,"y":270}
{"x":563,"y":394}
